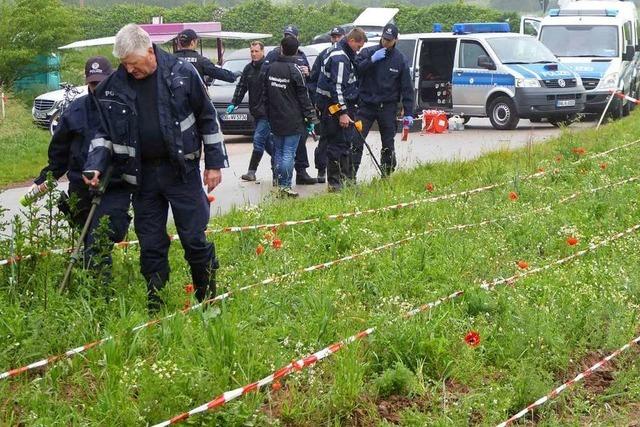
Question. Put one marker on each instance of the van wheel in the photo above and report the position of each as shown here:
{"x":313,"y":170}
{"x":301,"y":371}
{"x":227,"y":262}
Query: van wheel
{"x":503,"y":114}
{"x":626,"y":109}
{"x":616,"y":109}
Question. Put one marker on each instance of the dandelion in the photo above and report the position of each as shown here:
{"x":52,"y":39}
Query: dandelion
{"x":572,"y":241}
{"x":523,"y":264}
{"x":259,"y":250}
{"x":472,"y":339}
{"x":513,"y":196}
{"x":277,"y":243}
{"x":429,"y":187}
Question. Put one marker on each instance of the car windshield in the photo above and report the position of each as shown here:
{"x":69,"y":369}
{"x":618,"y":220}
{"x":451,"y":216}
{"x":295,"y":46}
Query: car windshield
{"x":581,"y":40}
{"x":234,"y":65}
{"x":521,"y":50}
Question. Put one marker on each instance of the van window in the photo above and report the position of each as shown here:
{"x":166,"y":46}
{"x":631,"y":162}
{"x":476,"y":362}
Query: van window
{"x":581,"y":40}
{"x":408,"y":49}
{"x":627,"y":33}
{"x":470,"y":51}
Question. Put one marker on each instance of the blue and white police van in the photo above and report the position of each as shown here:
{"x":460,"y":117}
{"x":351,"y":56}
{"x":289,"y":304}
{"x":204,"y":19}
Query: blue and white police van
{"x":598,"y":40}
{"x":484,"y":70}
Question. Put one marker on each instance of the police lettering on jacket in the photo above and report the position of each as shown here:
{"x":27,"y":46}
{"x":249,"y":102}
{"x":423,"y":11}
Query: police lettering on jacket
{"x":387,"y":80}
{"x":208,"y":70}
{"x":187,"y":120}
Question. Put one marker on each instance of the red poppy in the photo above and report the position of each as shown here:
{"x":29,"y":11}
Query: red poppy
{"x":578,"y":150}
{"x":472,"y":339}
{"x":523,"y":264}
{"x":540,"y":169}
{"x":276,"y":386}
{"x":513,"y":196}
{"x":572,"y":241}
{"x":429,"y":187}
{"x":259,"y":249}
{"x":603,"y":166}
{"x":277,"y":243}
{"x":189,"y":288}
{"x":274,"y":230}
{"x":559,"y":158}
{"x":211,"y":198}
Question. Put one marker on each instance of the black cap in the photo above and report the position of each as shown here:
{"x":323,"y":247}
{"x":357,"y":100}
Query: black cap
{"x":96,"y":69}
{"x":291,"y":30}
{"x":390,"y":32}
{"x":337,"y":31}
{"x":187,"y":36}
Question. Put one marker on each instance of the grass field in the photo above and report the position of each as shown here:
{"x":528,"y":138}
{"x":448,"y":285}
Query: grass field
{"x":534,"y":334}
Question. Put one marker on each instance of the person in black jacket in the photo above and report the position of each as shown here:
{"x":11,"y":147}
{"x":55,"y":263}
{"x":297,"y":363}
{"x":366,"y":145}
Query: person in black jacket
{"x":385,"y":80}
{"x":67,"y":154}
{"x":251,"y":81}
{"x":320,"y":153}
{"x":302,"y":158}
{"x":187,"y":42}
{"x":288,"y":109}
{"x":159,"y":121}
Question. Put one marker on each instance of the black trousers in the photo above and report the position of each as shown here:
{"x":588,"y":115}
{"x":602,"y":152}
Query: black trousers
{"x":385,"y":114}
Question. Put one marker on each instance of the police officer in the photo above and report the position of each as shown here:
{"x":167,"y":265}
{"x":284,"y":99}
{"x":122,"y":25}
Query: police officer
{"x":384,"y":81}
{"x":67,"y":154}
{"x":337,"y":100}
{"x":320,"y":153}
{"x":302,"y":158}
{"x":187,"y":42}
{"x":158,"y":117}
{"x":251,"y":81}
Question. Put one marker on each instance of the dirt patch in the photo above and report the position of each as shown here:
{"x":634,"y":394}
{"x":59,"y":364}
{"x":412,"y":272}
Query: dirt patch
{"x":390,"y":408}
{"x":601,"y":379}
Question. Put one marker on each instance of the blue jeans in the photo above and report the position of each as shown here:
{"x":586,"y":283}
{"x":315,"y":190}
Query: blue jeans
{"x":262,"y":137}
{"x":284,"y":148}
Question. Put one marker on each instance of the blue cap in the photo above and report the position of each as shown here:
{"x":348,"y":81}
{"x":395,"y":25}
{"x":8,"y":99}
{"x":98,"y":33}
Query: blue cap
{"x":291,"y":30}
{"x":390,"y":32}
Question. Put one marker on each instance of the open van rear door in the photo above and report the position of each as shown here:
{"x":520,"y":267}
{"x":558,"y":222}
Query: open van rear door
{"x":530,"y":25}
{"x":376,"y":17}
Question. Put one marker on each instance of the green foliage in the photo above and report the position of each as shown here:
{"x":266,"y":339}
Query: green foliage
{"x":29,"y":28}
{"x":397,"y":380}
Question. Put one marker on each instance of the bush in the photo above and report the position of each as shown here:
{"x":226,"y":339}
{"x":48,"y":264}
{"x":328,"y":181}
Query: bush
{"x":398,"y":380}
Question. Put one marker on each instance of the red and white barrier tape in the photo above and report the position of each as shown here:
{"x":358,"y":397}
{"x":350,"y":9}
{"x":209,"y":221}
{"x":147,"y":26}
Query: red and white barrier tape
{"x":240,"y":229}
{"x":554,"y":393}
{"x":592,"y":247}
{"x":621,"y":95}
{"x":226,"y":295}
{"x":294,"y":366}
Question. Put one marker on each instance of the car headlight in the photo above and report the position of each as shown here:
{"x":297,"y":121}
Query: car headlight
{"x":610,"y":81}
{"x":527,"y":83}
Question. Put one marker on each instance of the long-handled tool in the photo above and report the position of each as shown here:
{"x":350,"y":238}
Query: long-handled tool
{"x":358,"y":126}
{"x":95,"y":202}
{"x":604,"y":113}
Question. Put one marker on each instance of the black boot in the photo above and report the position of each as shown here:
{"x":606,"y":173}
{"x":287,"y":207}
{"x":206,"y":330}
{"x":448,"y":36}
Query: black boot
{"x":204,"y":280}
{"x":333,"y":176}
{"x":303,"y":178}
{"x":155,"y":282}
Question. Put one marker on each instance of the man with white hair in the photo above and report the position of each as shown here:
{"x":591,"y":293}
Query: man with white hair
{"x":157,"y":118}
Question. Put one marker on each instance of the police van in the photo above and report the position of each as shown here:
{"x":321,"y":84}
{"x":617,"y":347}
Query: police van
{"x":598,"y":40}
{"x":484,"y":70}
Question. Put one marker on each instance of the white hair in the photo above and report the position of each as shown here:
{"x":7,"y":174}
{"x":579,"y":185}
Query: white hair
{"x":131,"y":39}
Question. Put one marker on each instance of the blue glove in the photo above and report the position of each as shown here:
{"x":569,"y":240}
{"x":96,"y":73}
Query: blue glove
{"x":407,"y":120}
{"x":310,"y":127}
{"x":378,"y":55}
{"x":231,"y":108}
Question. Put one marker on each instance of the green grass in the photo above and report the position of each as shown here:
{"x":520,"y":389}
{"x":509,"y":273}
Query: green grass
{"x":534,"y":335}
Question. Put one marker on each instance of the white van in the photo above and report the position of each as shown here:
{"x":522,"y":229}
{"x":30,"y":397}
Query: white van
{"x":599,"y":40}
{"x":484,"y":70}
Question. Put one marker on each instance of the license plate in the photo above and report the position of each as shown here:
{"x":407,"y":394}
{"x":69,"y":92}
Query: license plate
{"x":234,"y":117}
{"x":566,"y":103}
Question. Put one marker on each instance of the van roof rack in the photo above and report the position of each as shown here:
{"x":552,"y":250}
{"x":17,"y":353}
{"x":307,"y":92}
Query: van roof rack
{"x":581,"y":12}
{"x":481,"y":27}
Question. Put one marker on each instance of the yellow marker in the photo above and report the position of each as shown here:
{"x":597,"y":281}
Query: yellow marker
{"x":334,"y":108}
{"x":358,"y":125}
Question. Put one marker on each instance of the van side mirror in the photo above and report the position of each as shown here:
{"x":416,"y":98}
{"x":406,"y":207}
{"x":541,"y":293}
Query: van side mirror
{"x":485,"y":62}
{"x":629,"y":53}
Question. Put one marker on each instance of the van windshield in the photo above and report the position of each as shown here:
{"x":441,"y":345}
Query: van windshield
{"x":521,"y":50}
{"x":600,"y":41}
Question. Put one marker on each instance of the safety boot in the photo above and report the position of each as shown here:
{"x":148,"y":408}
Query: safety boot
{"x":303,"y":178}
{"x":204,"y":280}
{"x":155,"y":282}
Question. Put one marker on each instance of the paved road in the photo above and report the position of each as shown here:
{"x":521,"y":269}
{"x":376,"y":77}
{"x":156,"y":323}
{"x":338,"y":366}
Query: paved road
{"x":478,"y":138}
